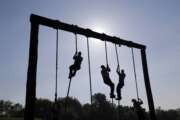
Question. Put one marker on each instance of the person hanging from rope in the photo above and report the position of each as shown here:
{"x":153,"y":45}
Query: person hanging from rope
{"x":77,"y":64}
{"x":120,"y":85}
{"x":139,"y":110}
{"x":105,"y":75}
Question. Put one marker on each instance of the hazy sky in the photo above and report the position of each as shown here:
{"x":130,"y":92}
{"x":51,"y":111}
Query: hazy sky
{"x":155,"y":23}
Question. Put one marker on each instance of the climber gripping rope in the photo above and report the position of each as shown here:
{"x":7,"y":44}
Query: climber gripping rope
{"x":76,"y":66}
{"x":106,"y":78}
{"x":105,"y":74}
{"x":120,"y":85}
{"x":138,"y":109}
{"x":121,"y":75}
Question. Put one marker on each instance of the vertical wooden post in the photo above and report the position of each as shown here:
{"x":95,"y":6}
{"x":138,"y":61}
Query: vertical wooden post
{"x":31,"y":74}
{"x":148,"y":85}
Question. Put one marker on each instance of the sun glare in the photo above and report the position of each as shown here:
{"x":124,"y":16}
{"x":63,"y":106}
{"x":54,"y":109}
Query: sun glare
{"x":99,"y":30}
{"x":98,"y":26}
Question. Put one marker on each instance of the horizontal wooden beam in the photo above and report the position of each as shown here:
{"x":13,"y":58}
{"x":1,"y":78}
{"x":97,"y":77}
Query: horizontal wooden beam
{"x":83,"y":31}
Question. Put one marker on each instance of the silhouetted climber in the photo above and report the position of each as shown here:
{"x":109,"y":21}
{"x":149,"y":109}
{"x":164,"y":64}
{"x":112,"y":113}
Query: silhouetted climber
{"x":120,"y":85}
{"x":76,"y":66}
{"x":137,"y":107}
{"x":105,"y":75}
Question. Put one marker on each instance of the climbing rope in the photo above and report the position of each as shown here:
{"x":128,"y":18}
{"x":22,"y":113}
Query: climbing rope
{"x":89,"y":65}
{"x":107,"y":64}
{"x":135,"y":76}
{"x":68,"y":88}
{"x":56,"y":76}
{"x":76,"y":43}
{"x":106,"y":53}
{"x":76,"y":49}
{"x":117,"y":57}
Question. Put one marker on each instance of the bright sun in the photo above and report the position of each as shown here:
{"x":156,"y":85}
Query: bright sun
{"x":99,"y":30}
{"x":97,"y":42}
{"x":98,"y":26}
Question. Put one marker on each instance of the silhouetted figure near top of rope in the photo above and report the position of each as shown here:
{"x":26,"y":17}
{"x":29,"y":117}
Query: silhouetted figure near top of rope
{"x":120,"y":85}
{"x":105,"y":75}
{"x":77,"y":64}
{"x":139,"y":110}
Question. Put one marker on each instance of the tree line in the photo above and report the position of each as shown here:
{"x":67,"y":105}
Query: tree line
{"x":71,"y":109}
